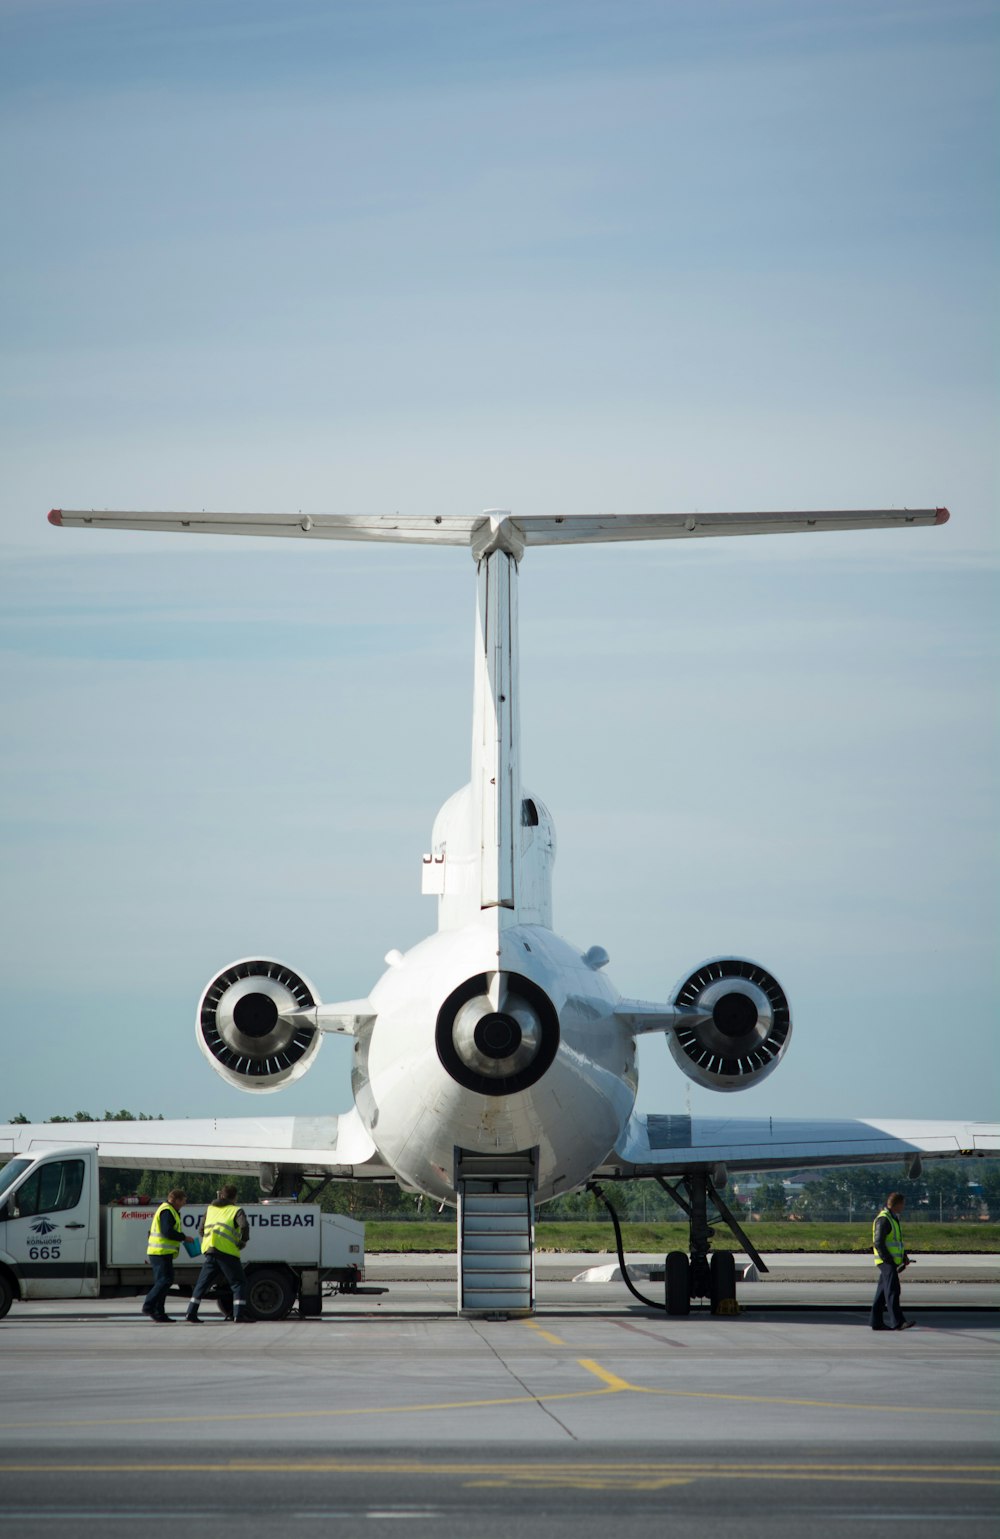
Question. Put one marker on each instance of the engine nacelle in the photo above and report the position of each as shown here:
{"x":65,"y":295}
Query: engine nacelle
{"x":247,"y":1029}
{"x":739,"y":1027}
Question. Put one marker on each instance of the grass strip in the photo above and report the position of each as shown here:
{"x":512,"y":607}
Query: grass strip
{"x":777,"y":1238}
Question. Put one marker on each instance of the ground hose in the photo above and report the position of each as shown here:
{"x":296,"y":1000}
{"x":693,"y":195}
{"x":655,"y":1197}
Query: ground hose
{"x":592,"y":1186}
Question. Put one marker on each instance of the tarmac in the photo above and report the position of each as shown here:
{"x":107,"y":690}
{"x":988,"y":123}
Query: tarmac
{"x":563,"y":1266}
{"x":598,"y":1414}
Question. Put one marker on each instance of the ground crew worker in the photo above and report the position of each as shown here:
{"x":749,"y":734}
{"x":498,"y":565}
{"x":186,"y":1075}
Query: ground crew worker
{"x":890,"y":1258}
{"x":165,"y":1237}
{"x":225,"y":1232}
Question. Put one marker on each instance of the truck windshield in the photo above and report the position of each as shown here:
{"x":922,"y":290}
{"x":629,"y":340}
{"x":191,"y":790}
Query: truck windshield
{"x":10,"y":1172}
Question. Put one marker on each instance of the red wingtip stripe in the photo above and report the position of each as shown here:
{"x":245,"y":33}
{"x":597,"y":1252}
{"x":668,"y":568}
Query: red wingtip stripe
{"x":942,"y":516}
{"x":55,"y":517}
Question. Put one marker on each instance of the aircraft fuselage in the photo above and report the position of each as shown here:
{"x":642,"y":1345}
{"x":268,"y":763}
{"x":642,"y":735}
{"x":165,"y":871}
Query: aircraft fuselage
{"x":494,"y":1042}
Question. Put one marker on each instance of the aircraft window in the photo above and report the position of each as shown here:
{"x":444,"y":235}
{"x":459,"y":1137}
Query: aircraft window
{"x":52,"y":1189}
{"x":529,"y":813}
{"x":10,"y":1173}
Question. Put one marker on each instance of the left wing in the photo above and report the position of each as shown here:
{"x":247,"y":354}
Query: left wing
{"x":335,"y":1146}
{"x":664,"y":1145}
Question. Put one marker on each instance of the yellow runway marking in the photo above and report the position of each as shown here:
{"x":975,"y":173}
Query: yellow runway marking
{"x":611,"y":1379}
{"x":618,"y":1385}
{"x":828,"y":1405}
{"x":556,"y":1341}
{"x":612,"y":1384}
{"x":582,"y":1481}
{"x":613,"y":1476}
{"x":612,"y":1387}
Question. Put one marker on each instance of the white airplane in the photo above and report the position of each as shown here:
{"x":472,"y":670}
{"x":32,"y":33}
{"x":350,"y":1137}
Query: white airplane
{"x":494,"y":1062}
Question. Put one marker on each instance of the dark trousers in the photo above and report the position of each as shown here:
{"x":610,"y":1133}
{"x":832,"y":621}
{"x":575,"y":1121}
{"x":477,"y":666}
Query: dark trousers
{"x":886,"y":1312}
{"x":218,"y":1267}
{"x":163,"y":1279}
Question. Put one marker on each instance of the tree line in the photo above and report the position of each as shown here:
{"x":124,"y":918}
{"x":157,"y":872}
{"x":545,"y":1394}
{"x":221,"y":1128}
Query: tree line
{"x":947,"y":1191}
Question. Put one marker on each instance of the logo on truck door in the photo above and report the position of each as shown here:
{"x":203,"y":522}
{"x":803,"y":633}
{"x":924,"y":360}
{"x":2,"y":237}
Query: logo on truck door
{"x":40,"y":1246}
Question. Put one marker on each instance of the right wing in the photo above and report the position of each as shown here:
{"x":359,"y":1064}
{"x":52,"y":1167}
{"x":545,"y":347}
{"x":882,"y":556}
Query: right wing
{"x":671,"y":1145}
{"x":335,"y":1146}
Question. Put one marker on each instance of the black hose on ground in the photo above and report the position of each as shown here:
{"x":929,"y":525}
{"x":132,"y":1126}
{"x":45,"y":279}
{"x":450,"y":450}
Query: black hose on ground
{"x":592,"y":1186}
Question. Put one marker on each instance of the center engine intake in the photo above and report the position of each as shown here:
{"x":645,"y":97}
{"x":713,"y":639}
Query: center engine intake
{"x":738,"y":1028}
{"x":247,"y":1026}
{"x":497,"y":1034}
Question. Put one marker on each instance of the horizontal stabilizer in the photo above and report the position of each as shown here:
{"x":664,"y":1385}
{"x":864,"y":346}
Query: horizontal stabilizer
{"x":486,"y":531}
{"x":410,"y":530}
{"x":586,"y":529}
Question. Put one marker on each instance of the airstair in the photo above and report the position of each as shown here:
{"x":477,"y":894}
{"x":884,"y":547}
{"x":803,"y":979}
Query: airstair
{"x":496,"y":1234}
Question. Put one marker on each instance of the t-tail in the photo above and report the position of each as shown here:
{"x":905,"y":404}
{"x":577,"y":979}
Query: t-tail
{"x":493,"y":846}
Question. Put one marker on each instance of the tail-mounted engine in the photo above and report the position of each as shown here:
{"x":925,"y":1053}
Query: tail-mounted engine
{"x":497,"y":1033}
{"x":250,"y":1029}
{"x":738,"y":1027}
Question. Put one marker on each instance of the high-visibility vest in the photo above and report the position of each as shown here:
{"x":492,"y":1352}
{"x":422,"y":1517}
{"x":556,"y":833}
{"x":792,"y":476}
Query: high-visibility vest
{"x":893,"y":1240}
{"x":220,"y":1229}
{"x":159,"y":1244}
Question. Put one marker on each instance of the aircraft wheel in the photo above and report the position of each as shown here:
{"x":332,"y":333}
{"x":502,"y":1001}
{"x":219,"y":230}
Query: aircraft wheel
{"x":722,"y":1278}
{"x":270,"y":1293}
{"x":678,"y":1283}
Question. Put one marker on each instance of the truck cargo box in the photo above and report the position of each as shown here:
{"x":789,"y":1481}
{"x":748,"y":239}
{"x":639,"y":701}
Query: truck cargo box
{"x":297,"y":1234}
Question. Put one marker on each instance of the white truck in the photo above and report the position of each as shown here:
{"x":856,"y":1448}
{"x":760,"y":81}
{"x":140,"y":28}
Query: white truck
{"x":57,"y":1242}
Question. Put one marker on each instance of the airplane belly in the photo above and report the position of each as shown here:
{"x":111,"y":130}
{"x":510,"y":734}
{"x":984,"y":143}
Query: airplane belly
{"x":468,"y":1054}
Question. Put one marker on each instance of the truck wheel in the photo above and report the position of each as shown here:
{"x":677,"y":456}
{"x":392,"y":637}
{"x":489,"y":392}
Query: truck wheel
{"x":6,"y":1295}
{"x":270,"y":1293}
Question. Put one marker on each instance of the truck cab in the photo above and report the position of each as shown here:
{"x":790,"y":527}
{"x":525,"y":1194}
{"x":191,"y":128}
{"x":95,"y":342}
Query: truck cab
{"x":49,"y":1228}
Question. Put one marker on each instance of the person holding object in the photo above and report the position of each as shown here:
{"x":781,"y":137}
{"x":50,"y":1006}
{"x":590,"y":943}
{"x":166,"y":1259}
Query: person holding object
{"x":165,"y":1239}
{"x":225,"y":1232}
{"x":891,"y":1259}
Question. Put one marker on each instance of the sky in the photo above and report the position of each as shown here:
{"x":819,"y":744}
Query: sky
{"x":444,"y":255}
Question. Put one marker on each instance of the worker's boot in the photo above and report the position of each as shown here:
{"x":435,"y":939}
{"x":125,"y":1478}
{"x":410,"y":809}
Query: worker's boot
{"x":242,"y":1316}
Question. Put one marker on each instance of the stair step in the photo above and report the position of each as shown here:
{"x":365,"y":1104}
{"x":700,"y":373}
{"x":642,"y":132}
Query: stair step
{"x":480,"y":1282}
{"x":489,"y":1243}
{"x":496,"y":1215}
{"x":485,"y":1301}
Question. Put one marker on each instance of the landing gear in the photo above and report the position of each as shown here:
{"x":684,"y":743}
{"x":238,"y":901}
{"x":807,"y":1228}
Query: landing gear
{"x":722,"y":1281}
{"x":281,"y":1181}
{"x":706,"y":1275}
{"x":699,"y":1275}
{"x":678,"y":1283}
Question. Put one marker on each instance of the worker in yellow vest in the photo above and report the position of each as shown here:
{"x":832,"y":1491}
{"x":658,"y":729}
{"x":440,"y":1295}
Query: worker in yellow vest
{"x":891,"y":1259}
{"x":224,"y":1234}
{"x":165,"y":1239}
